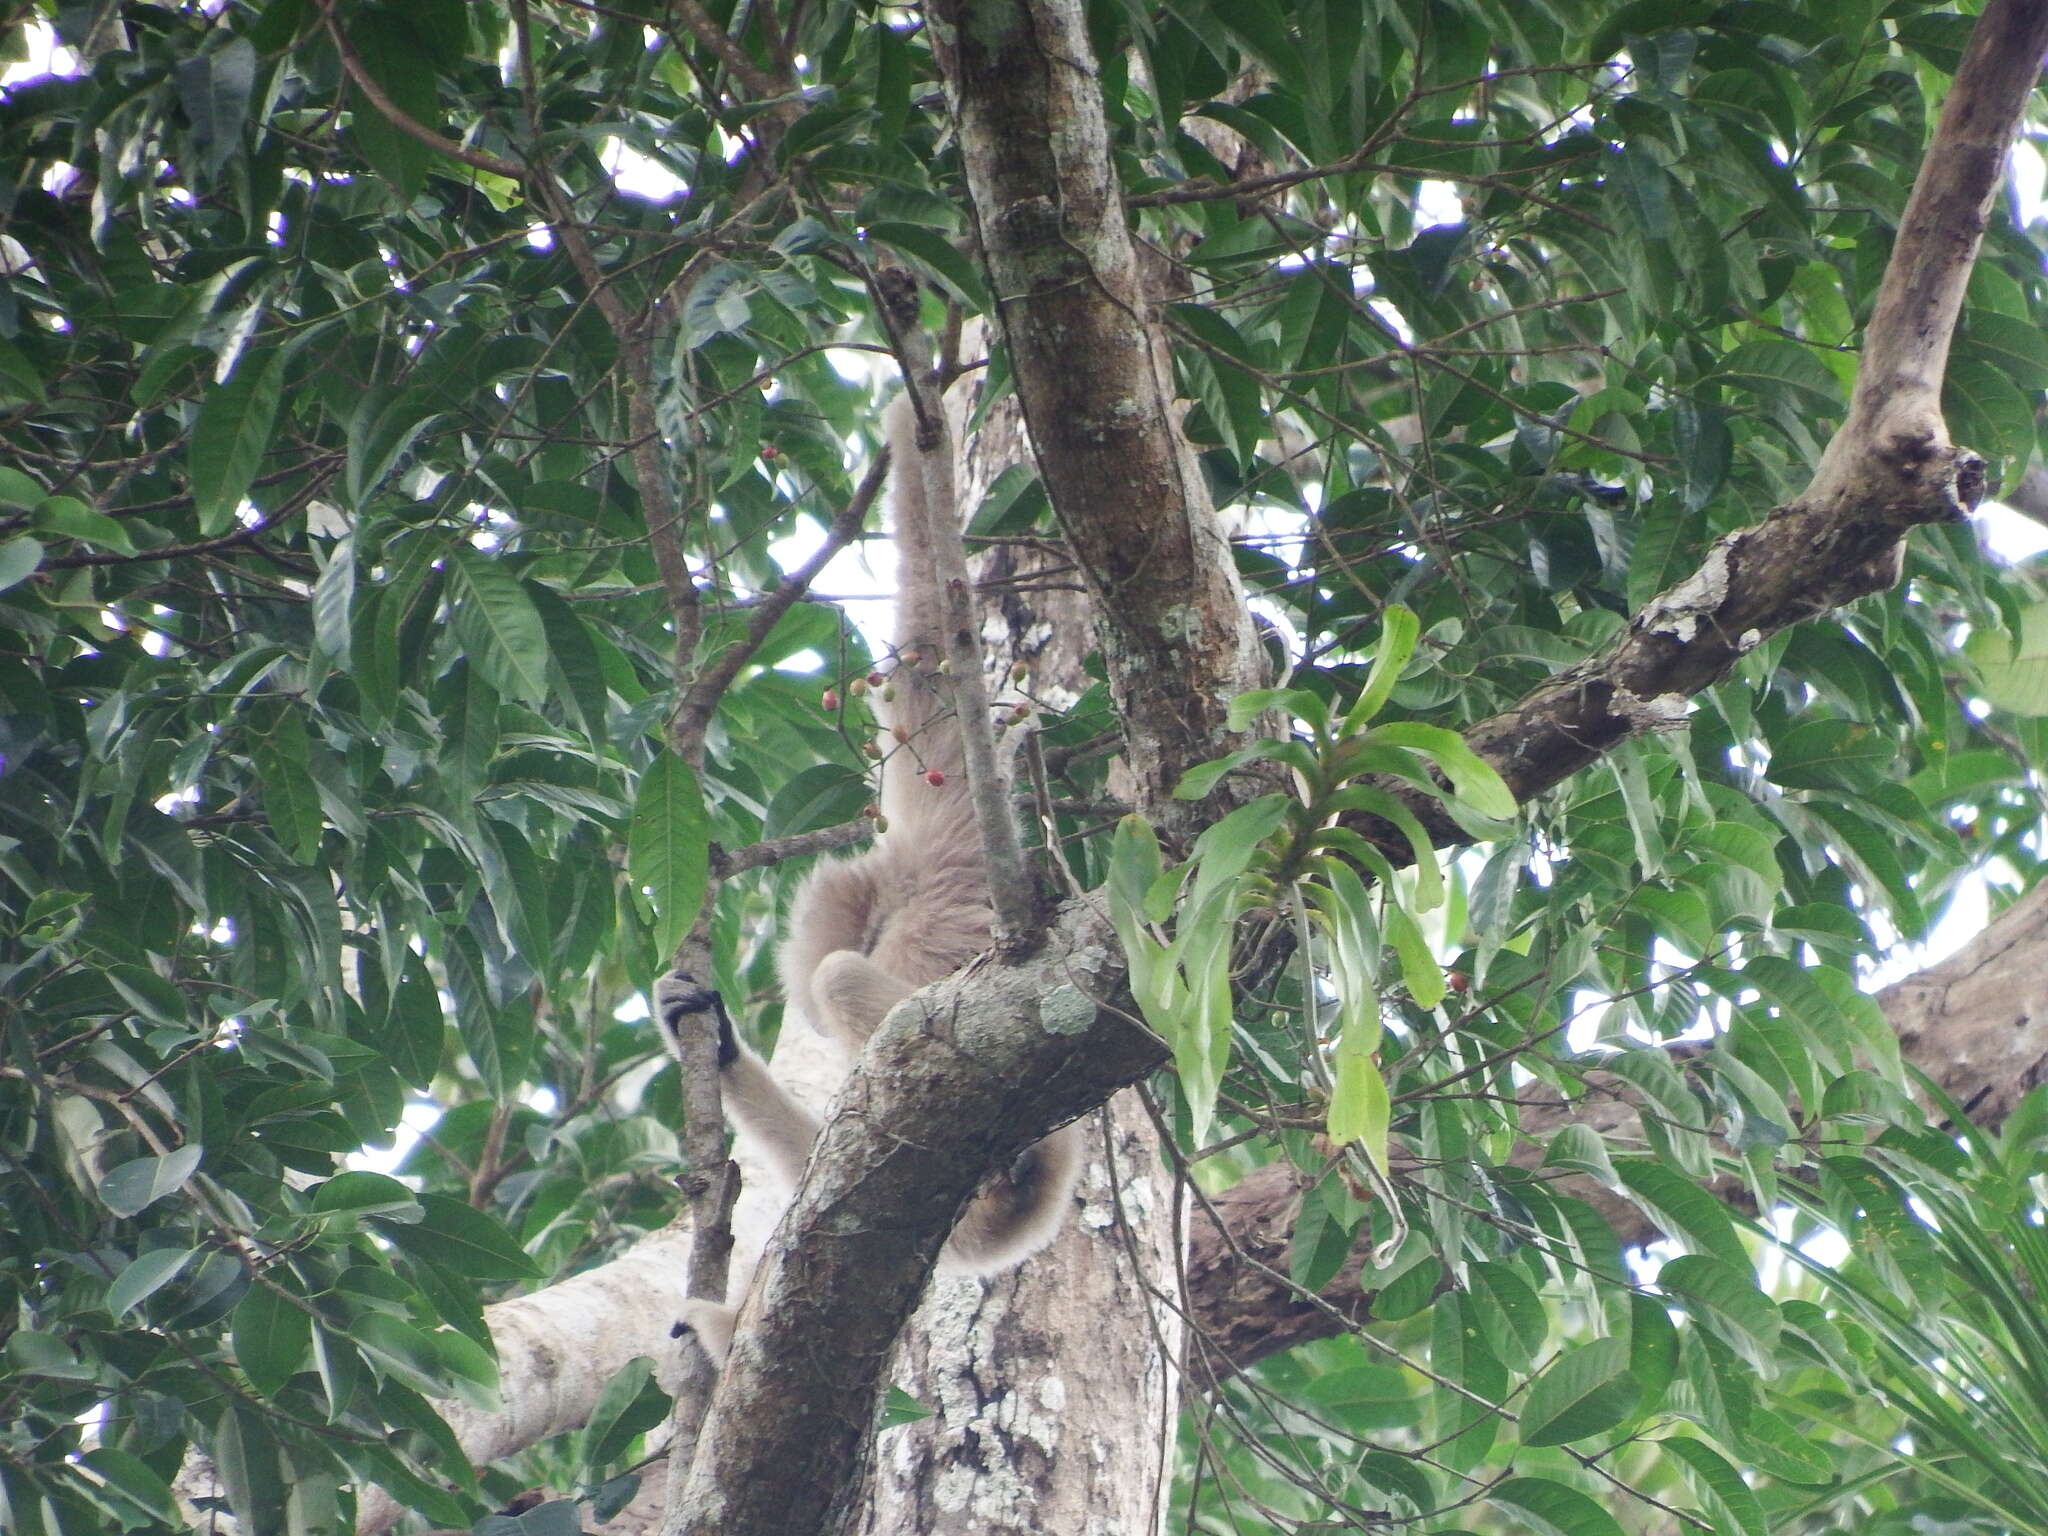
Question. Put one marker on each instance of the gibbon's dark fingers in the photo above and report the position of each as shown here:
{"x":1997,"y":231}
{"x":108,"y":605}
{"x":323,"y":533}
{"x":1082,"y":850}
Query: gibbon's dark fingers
{"x":762,"y":1109}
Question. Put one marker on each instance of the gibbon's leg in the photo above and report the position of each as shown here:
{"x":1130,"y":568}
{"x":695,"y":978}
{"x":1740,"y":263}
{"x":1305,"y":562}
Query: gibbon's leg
{"x":851,"y":995}
{"x":832,"y":909}
{"x":764,"y":1110}
{"x":1020,"y":1210}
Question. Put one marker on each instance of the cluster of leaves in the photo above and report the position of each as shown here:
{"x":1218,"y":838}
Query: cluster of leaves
{"x":336,"y":665}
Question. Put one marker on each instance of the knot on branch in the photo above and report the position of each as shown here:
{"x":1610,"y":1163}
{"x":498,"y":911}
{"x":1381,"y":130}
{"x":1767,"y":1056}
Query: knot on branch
{"x":1969,"y":484}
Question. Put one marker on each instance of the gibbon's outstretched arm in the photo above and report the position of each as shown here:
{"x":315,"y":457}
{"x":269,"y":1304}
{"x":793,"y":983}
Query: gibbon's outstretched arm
{"x":864,"y":933}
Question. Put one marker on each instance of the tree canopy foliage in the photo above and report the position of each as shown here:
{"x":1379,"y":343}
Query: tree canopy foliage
{"x":411,"y":419}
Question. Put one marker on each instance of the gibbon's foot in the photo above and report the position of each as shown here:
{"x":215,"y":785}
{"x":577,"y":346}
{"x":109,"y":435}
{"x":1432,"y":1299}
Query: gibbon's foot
{"x":710,"y":1324}
{"x":677,"y":997}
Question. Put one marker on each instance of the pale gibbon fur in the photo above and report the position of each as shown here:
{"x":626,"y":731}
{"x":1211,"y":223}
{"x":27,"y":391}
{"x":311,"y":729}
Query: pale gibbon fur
{"x":865,"y":932}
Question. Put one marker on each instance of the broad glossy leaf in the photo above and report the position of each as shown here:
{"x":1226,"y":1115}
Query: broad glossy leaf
{"x":145,"y":1276}
{"x":136,"y":1185}
{"x":500,"y":630}
{"x":1551,"y":1509}
{"x":668,"y":847}
{"x":1585,"y":1391}
{"x":232,"y":436}
{"x":272,"y":1329}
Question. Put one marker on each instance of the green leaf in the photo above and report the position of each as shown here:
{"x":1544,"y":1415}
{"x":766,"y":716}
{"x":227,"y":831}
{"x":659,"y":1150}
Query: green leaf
{"x":334,"y":603}
{"x":1583,"y":1392}
{"x":145,"y":1276}
{"x":1359,"y":1109}
{"x":1652,"y":1347}
{"x":1399,"y":630}
{"x":1551,"y":1509}
{"x":19,"y":380}
{"x":139,"y":1488}
{"x":469,"y":1242}
{"x":1682,"y":1209}
{"x":150,"y":995}
{"x":1458,"y":1351}
{"x":136,"y":1185}
{"x":362,"y":1193}
{"x":403,"y":1353}
{"x":66,"y":517}
{"x":19,"y":558}
{"x":395,"y":56}
{"x":668,"y":847}
{"x":214,"y":90}
{"x":631,"y":1403}
{"x":823,"y":795}
{"x":1822,"y":754}
{"x":1726,"y":1299}
{"x":271,"y":1333}
{"x":233,"y":433}
{"x":1728,"y":1499}
{"x":899,"y":1407}
{"x":1420,"y":973}
{"x":934,"y":255}
{"x":1474,"y":781}
{"x":381,"y":431}
{"x":1510,"y":1310}
{"x":2013,"y":670}
{"x":497,"y":626}
{"x":1782,"y":372}
{"x":290,"y":799}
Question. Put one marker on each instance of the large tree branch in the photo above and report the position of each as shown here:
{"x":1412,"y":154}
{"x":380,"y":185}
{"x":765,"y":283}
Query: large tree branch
{"x":1977,"y":1023}
{"x":1889,"y":469}
{"x":960,"y":1078}
{"x":1096,"y":382}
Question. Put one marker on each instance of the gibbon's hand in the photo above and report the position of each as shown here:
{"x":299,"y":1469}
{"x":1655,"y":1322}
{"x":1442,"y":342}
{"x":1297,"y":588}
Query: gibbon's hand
{"x":678,"y":998}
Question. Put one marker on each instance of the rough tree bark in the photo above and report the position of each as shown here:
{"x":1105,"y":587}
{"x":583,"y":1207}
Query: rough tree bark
{"x":1096,"y":382}
{"x":1034,"y":1404}
{"x":959,"y":1079}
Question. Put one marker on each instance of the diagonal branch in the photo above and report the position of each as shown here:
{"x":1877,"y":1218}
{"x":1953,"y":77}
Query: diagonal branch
{"x":388,"y":109}
{"x":1889,"y":469}
{"x":960,"y":1078}
{"x":693,"y":714}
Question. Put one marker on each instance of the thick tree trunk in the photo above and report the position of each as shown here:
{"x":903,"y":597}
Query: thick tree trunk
{"x":1052,"y":1389}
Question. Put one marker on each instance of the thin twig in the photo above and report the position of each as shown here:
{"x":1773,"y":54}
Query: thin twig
{"x":693,"y":714}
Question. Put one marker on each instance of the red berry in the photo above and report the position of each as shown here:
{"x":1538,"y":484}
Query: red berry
{"x":830,"y":698}
{"x":933,"y":777}
{"x":1458,"y":982}
{"x":770,"y":451}
{"x":875,"y":679}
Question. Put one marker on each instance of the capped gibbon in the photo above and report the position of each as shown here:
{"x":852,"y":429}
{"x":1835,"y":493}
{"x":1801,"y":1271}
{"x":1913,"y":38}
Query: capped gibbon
{"x":865,"y":932}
